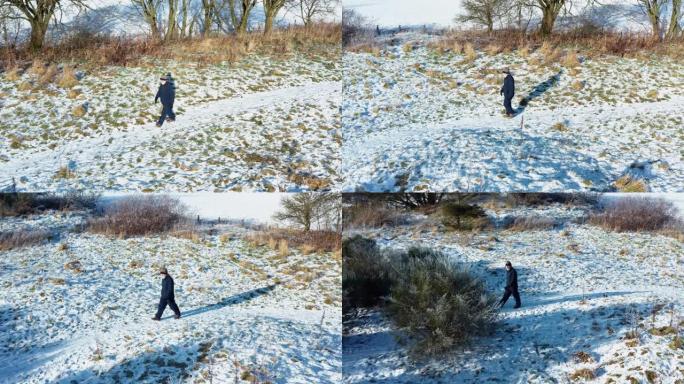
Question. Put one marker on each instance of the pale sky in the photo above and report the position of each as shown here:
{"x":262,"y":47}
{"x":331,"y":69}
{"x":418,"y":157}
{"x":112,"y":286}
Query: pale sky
{"x":390,"y":13}
{"x":255,"y":207}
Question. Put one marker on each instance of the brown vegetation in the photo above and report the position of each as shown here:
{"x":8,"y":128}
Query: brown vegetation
{"x":109,"y":50}
{"x":22,"y":238}
{"x":636,"y":214}
{"x":590,"y":42}
{"x":139,"y":216}
{"x":281,"y":240}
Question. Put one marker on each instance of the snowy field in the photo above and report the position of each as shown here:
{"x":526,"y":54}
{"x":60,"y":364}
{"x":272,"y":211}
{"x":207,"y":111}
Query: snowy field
{"x":414,"y":119}
{"x":580,"y":287}
{"x":78,"y":309}
{"x":259,"y":124}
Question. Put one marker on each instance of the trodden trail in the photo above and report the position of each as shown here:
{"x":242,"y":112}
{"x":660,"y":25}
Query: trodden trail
{"x":43,"y":164}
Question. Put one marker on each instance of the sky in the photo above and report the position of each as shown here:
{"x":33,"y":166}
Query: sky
{"x":390,"y":13}
{"x":254,"y":207}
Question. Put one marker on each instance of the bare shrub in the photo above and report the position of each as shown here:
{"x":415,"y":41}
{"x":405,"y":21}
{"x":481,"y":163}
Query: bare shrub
{"x":18,"y":204}
{"x":535,"y":199}
{"x":531,"y":223}
{"x":460,"y":216}
{"x":635,"y":214}
{"x":139,"y":216}
{"x":440,"y":304}
{"x":371,"y":215}
{"x":22,"y":238}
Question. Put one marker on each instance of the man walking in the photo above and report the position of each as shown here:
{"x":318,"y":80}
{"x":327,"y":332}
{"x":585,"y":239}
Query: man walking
{"x":511,"y":286}
{"x":167,"y":94}
{"x":167,"y":296}
{"x":508,"y":91}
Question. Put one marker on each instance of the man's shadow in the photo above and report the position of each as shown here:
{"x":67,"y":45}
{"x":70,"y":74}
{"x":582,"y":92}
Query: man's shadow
{"x":231,"y":300}
{"x":538,"y":91}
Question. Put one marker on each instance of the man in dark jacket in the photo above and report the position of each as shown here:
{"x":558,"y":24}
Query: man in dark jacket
{"x":508,"y":91}
{"x":511,"y":286}
{"x":167,"y":94}
{"x":167,"y":296}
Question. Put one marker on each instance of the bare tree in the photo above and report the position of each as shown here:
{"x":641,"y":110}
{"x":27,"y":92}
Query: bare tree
{"x":172,"y":26}
{"x":150,"y":11}
{"x":674,"y":29}
{"x":240,"y":21}
{"x":39,"y":13}
{"x":309,"y":10}
{"x":483,"y":12}
{"x":10,"y":26}
{"x":271,"y":9}
{"x":306,"y":209}
{"x":208,"y":10}
{"x":653,"y":9}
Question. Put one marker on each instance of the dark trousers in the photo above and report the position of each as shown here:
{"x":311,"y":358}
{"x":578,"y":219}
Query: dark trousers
{"x":162,"y":306}
{"x":507,"y":104}
{"x":507,"y":293}
{"x":167,"y":111}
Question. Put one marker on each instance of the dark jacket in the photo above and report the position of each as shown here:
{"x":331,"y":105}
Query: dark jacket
{"x":508,"y":88}
{"x":167,"y":288}
{"x":167,"y":93}
{"x":512,"y":279}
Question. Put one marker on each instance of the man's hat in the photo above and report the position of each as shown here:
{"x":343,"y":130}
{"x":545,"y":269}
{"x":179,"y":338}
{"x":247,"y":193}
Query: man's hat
{"x":163,"y":271}
{"x":508,"y":263}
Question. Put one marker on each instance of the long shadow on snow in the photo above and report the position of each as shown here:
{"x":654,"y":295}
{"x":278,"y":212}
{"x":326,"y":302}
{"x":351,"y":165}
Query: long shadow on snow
{"x":521,"y":348}
{"x":15,"y":360}
{"x":231,"y":300}
{"x":538,"y":91}
{"x":508,"y":155}
{"x":175,"y":363}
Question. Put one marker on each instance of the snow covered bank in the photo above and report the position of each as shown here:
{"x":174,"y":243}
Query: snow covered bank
{"x":583,"y":291}
{"x":78,"y":308}
{"x":416,"y":119}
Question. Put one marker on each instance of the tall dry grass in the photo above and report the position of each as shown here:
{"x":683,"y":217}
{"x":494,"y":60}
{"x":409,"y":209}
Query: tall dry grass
{"x":98,"y":50}
{"x":637,"y":214}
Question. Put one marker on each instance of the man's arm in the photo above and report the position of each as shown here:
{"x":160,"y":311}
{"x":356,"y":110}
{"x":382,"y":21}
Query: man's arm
{"x":158,"y":94}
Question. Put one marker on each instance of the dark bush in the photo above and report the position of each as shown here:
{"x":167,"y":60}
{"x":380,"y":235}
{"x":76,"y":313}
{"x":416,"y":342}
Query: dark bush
{"x":365,"y":274}
{"x":18,"y":204}
{"x":440,"y":304}
{"x":461,"y":216}
{"x":371,"y":215}
{"x":635,"y":214}
{"x":139,"y":215}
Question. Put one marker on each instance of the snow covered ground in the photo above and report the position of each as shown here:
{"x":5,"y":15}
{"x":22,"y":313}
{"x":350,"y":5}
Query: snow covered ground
{"x":248,"y":313}
{"x":260,"y":124}
{"x":580,"y":287}
{"x":414,"y":119}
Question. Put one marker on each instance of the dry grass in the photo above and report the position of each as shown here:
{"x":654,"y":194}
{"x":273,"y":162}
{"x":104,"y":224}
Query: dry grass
{"x":531,"y":223}
{"x":49,"y":75}
{"x":281,"y":240}
{"x":97,"y":50}
{"x":590,"y":43}
{"x":583,"y":374}
{"x":13,"y":74}
{"x":469,"y":53}
{"x":570,"y":60}
{"x":22,"y":238}
{"x":139,"y":216}
{"x":627,"y":183}
{"x":67,"y":79}
{"x":79,"y":110}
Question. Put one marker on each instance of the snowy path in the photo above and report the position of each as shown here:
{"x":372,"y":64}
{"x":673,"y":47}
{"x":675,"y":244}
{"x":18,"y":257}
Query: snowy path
{"x":480,"y":152}
{"x":269,"y":325}
{"x":34,"y":169}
